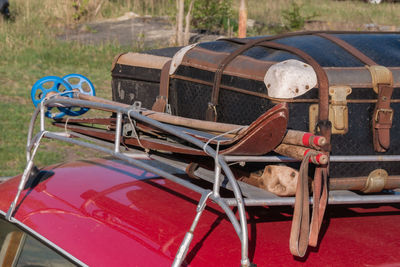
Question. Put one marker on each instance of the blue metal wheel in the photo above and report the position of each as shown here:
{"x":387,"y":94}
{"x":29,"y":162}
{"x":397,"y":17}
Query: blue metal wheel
{"x":47,"y":86}
{"x":84,"y":86}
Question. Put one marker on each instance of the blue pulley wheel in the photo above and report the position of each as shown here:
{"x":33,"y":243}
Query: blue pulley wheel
{"x":47,"y":86}
{"x":84,"y":85}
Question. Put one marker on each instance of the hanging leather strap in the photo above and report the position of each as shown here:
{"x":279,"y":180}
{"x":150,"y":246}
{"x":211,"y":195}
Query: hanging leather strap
{"x":320,"y":197}
{"x":319,"y":205}
{"x":162,"y":98}
{"x":382,"y":118}
{"x":300,"y":230}
{"x":300,"y":226}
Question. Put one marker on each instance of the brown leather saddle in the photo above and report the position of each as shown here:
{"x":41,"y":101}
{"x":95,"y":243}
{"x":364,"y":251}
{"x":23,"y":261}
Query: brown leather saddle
{"x":259,"y":138}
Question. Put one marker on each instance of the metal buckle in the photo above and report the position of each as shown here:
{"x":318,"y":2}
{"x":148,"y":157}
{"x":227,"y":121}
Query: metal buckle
{"x":384,"y":110}
{"x":211,"y":105}
{"x":137,"y":106}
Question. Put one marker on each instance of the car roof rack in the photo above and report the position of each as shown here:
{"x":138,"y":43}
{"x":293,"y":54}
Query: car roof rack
{"x":244,"y":194}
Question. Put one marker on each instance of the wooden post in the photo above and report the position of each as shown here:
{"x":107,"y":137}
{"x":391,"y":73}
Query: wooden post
{"x":242,"y":19}
{"x":181,"y":10}
{"x":187,"y":23}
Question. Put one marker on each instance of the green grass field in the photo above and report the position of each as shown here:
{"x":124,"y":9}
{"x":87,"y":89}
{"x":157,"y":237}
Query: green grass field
{"x":30,"y":50}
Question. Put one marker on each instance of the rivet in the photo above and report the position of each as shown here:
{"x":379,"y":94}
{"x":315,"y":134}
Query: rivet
{"x":307,"y":87}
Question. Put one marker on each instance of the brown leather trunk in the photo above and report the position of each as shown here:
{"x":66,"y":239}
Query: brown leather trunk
{"x":224,"y":81}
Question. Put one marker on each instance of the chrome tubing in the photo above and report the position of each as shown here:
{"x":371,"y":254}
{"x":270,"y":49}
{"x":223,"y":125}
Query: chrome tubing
{"x":240,"y":228}
{"x":183,"y":136}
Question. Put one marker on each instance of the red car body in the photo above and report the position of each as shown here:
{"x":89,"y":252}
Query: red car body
{"x":105,"y":212}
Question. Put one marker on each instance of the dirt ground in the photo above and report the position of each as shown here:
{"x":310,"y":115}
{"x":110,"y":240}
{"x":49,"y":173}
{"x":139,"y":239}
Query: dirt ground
{"x":129,"y":30}
{"x":126,"y":31}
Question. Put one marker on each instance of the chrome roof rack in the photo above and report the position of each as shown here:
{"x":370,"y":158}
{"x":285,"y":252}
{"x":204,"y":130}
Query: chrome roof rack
{"x":244,"y":194}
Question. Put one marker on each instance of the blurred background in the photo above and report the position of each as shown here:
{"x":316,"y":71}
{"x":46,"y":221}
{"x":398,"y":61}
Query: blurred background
{"x":48,"y":37}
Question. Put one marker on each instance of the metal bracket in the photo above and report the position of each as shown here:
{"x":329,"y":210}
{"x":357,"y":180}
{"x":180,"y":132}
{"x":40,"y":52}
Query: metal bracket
{"x":338,"y":111}
{"x":128,"y":128}
{"x":128,"y":131}
{"x":137,"y":106}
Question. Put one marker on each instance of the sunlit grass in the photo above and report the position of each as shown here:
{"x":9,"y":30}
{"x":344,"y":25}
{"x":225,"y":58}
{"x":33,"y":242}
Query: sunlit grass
{"x":335,"y":15}
{"x":30,"y":50}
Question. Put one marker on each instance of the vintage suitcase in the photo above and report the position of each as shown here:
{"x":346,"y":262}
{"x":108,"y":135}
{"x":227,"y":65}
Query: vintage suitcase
{"x":358,"y":74}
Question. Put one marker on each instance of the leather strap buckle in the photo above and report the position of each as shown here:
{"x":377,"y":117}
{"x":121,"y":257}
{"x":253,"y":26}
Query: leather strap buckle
{"x":386,"y":110}
{"x":211,"y":113}
{"x":211,"y":106}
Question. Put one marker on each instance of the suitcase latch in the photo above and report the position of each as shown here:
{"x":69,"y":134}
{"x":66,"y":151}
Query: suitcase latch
{"x":338,"y":111}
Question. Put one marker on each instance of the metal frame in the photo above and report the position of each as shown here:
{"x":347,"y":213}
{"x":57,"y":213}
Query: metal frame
{"x":253,"y":196}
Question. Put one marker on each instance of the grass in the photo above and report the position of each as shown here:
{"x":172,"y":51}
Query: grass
{"x":331,"y":14}
{"x":30,"y":50}
{"x":22,"y":69}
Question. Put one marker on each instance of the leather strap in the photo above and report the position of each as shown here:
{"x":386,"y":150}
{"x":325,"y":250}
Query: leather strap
{"x":349,"y":48}
{"x":300,"y":226}
{"x":323,"y":82}
{"x":320,"y":193}
{"x":211,"y":113}
{"x":300,"y":230}
{"x":319,"y":204}
{"x":191,"y":168}
{"x":382,"y":118}
{"x":324,"y":127}
{"x":246,"y":44}
{"x":162,"y":98}
{"x":383,"y":114}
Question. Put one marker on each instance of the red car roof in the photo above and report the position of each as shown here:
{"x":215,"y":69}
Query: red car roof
{"x":107,"y":213}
